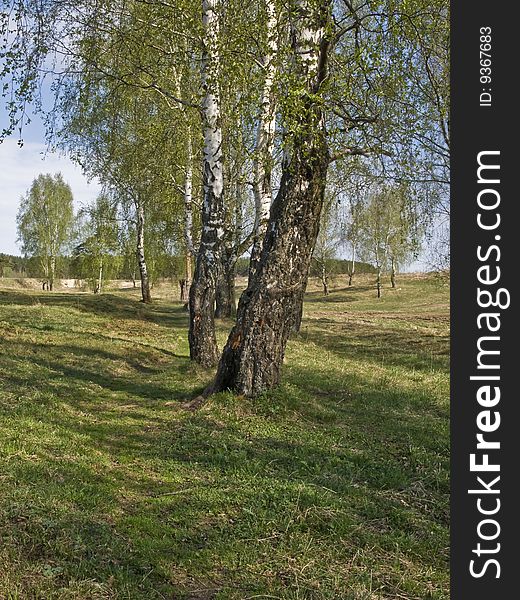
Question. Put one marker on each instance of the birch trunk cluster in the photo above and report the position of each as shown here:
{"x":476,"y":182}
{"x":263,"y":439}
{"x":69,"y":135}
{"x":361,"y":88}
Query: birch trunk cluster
{"x":268,"y":309}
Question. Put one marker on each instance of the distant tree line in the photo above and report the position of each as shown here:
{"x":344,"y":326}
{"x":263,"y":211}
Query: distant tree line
{"x":95,"y":244}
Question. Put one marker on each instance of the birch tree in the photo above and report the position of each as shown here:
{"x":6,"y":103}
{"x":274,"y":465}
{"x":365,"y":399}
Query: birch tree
{"x":252,"y":358}
{"x":263,"y":158}
{"x":202,"y":338}
{"x":100,"y":246}
{"x":390,"y":232}
{"x":45,"y":222}
{"x":327,"y":244}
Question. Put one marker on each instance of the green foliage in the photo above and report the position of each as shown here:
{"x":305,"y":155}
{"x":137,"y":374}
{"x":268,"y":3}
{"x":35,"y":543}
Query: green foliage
{"x":45,"y":221}
{"x":389,"y":227}
{"x":9,"y":265}
{"x":97,"y":253}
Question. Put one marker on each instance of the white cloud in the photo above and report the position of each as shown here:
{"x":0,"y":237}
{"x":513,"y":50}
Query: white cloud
{"x":18,"y":168}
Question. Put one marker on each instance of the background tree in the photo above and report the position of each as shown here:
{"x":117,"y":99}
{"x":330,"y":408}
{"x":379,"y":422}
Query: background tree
{"x":405,"y":242}
{"x":45,"y":222}
{"x":99,"y":249}
{"x":389,"y":232}
{"x":327,"y":245}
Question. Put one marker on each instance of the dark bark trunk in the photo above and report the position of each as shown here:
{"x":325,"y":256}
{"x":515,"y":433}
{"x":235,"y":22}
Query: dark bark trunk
{"x":252,"y":359}
{"x":268,"y":309}
{"x":52,"y":271}
{"x":225,"y":295}
{"x":100,"y":279}
{"x":352,"y":268}
{"x":182,"y":286}
{"x":143,"y":269}
{"x":201,"y":335}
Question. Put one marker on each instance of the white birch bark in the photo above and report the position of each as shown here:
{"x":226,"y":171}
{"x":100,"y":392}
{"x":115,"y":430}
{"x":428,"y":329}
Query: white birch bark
{"x":213,"y":163}
{"x":188,"y":197}
{"x":202,"y":338}
{"x":143,"y":269}
{"x":265,"y":138}
{"x":188,"y":219}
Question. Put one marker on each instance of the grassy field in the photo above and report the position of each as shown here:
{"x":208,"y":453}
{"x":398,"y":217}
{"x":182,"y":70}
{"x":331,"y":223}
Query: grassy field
{"x":334,"y":486}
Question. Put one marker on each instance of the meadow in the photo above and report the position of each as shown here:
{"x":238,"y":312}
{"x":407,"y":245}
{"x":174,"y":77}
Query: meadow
{"x":333,"y":486}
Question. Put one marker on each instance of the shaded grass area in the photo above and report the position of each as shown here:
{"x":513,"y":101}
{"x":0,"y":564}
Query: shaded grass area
{"x":333,"y":486}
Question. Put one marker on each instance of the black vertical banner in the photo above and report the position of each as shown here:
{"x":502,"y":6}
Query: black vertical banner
{"x":485,"y":244}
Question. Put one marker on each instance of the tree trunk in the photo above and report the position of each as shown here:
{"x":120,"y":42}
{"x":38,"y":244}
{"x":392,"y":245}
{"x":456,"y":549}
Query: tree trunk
{"x":324,"y":280}
{"x":225,"y":296}
{"x":52,"y":272}
{"x":202,"y":338}
{"x":143,"y":269}
{"x":186,"y":282}
{"x":100,"y":279}
{"x":352,"y":267}
{"x":392,"y":273}
{"x":378,"y":282}
{"x":265,"y":141}
{"x":188,"y":218}
{"x":267,"y":311}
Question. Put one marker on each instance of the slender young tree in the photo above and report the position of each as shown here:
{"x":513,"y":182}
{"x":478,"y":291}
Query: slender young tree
{"x":45,"y":222}
{"x":327,"y":245}
{"x":100,"y":245}
{"x":390,"y":234}
{"x":190,"y":251}
{"x":263,"y":159}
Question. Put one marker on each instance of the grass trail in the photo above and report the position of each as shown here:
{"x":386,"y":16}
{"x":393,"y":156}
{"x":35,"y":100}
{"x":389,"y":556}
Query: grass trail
{"x":334,"y":486}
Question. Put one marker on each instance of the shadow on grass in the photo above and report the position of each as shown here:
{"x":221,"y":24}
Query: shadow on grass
{"x":111,"y":305}
{"x":398,"y":346}
{"x":237,"y":492}
{"x":52,"y":368}
{"x":110,"y":487}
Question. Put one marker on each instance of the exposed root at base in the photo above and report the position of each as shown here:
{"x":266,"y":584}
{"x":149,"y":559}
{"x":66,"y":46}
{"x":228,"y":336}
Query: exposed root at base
{"x":195,"y":404}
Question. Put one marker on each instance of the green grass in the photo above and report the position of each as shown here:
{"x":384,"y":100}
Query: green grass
{"x":333,"y":486}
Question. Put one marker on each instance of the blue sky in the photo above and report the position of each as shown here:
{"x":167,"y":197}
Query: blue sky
{"x":19,"y":166}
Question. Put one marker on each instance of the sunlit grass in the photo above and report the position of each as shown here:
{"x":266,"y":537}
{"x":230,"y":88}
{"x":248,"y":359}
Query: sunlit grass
{"x":333,"y":486}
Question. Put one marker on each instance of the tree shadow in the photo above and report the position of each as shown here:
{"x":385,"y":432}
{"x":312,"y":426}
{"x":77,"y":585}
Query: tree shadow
{"x":399,"y":345}
{"x":232,"y":483}
{"x":111,"y":305}
{"x":113,"y":487}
